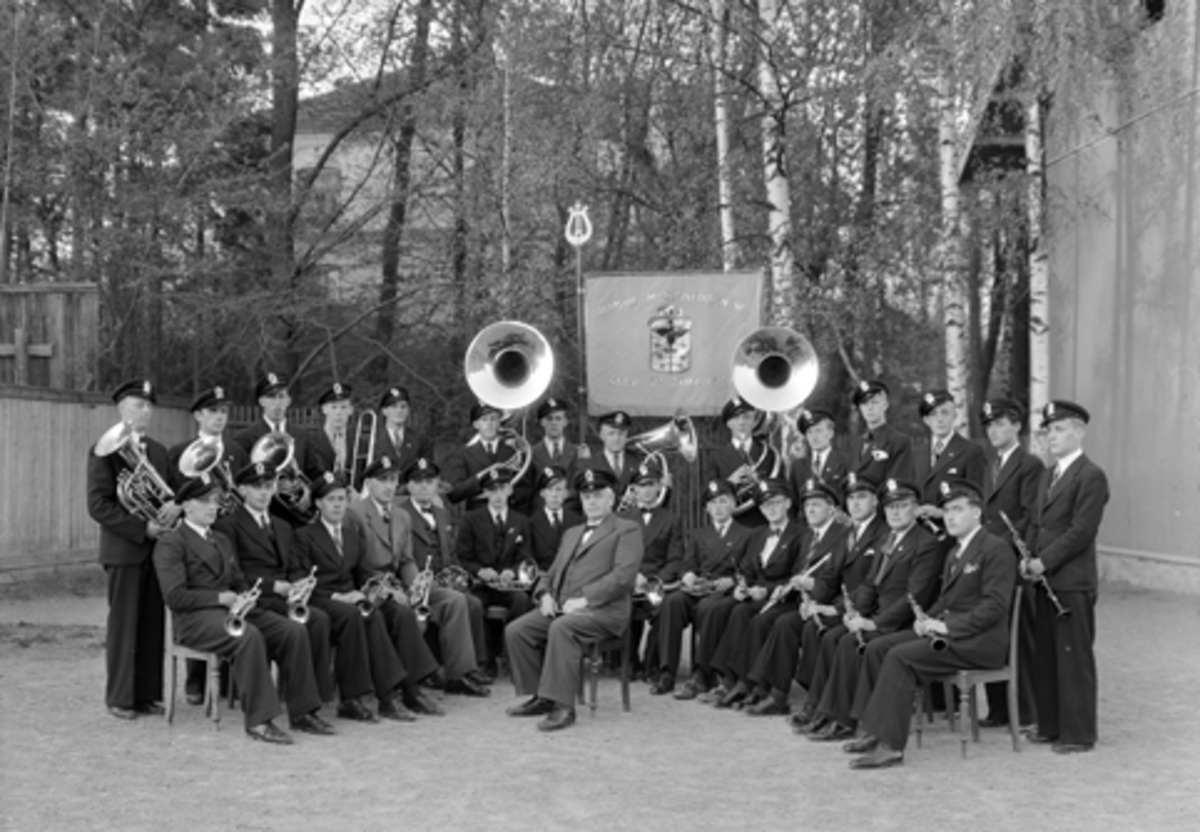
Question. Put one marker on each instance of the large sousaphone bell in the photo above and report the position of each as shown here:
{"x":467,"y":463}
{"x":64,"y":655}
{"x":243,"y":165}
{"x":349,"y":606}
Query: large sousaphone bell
{"x":509,"y":365}
{"x":775,"y":369}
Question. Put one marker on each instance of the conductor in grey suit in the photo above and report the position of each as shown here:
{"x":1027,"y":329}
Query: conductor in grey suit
{"x":584,"y":597}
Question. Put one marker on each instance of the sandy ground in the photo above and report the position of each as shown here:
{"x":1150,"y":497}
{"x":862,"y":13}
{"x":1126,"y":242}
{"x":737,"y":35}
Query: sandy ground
{"x":65,"y":764}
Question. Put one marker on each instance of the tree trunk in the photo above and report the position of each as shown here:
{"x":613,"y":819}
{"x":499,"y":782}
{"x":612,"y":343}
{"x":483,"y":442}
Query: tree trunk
{"x":774,"y":121}
{"x":729,"y":253}
{"x":285,"y":94}
{"x":1039,"y":263}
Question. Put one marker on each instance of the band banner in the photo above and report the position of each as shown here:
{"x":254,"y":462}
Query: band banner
{"x":661,"y":342}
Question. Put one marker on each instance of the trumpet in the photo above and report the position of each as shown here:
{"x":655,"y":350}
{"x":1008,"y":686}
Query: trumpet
{"x":654,"y":592}
{"x":141,"y":490}
{"x":298,"y":596}
{"x":420,"y":591}
{"x":382,"y":587}
{"x":781,"y":591}
{"x":205,"y":456}
{"x":293,"y":490}
{"x":235,"y":621}
{"x":1026,"y":556}
{"x":859,"y":638}
{"x":936,"y":641}
{"x":679,"y":435}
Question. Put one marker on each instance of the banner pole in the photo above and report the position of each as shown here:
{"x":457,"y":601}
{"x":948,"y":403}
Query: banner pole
{"x":578,"y":232}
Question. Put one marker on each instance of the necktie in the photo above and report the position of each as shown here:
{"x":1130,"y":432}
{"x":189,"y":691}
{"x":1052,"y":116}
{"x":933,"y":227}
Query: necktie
{"x":646,"y":518}
{"x":1055,"y":473}
{"x":937,"y":451}
{"x":744,"y":449}
{"x":555,"y":449}
{"x":888,"y":546}
{"x":337,"y":539}
{"x":721,"y":530}
{"x":265,"y":525}
{"x":397,"y":439}
{"x":587,"y":532}
{"x":339,"y":449}
{"x":555,"y":519}
{"x":818,"y":463}
{"x":996,"y":466}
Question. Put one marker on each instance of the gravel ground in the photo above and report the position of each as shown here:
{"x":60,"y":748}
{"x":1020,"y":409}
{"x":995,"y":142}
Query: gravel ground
{"x":65,"y":764}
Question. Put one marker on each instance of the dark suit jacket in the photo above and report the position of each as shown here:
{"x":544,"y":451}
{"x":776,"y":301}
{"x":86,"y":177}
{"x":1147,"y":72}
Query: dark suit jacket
{"x":709,"y":555}
{"x":603,"y":570}
{"x":722,"y":460}
{"x":662,"y":542}
{"x":414,"y":445}
{"x":461,"y":469}
{"x":192,"y":571}
{"x":260,"y":557}
{"x":247,"y":436}
{"x":781,"y":565}
{"x":1066,"y":520}
{"x":851,"y":563}
{"x":123,"y":540}
{"x":567,"y":458}
{"x":544,"y":538}
{"x":882,"y":453}
{"x":336,"y":572}
{"x":837,"y":466}
{"x":976,"y":596}
{"x":630,"y":462}
{"x":830,"y":544}
{"x":233,"y":457}
{"x":913,"y":568}
{"x":1014,"y":492}
{"x":319,"y":454}
{"x":960,"y":459}
{"x":479,"y":547}
{"x":433,"y":547}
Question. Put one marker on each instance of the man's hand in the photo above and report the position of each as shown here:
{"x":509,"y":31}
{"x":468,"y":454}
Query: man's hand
{"x":583,"y":452}
{"x":282,"y":587}
{"x":824,"y":609}
{"x":859,"y":623}
{"x":507,"y":576}
{"x":226,"y":598}
{"x":155,"y":530}
{"x":804,"y":582}
{"x":488,"y":574}
{"x":757,"y":593}
{"x":639,"y":585}
{"x":722,"y":584}
{"x":575,"y":605}
{"x":688,"y":580}
{"x":351,"y":597}
{"x":169,"y":514}
{"x":547,"y":606}
{"x":741,"y":475}
{"x":1035,"y":567}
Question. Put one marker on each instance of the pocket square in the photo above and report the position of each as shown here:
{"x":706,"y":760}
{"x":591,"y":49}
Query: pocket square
{"x":879,"y":455}
{"x":970,"y":567}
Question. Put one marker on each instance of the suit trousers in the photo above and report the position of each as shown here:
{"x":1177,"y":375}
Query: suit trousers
{"x":997,"y":699}
{"x":776,"y":662}
{"x":545,"y":653}
{"x":677,"y":611}
{"x":838,"y":696}
{"x":824,"y":646}
{"x":409,"y":642}
{"x":364,"y":659}
{"x":1064,"y":669}
{"x":738,"y":648}
{"x":451,"y":612}
{"x":712,"y":618}
{"x":516,"y":602}
{"x":268,"y":637}
{"x":133,"y":641}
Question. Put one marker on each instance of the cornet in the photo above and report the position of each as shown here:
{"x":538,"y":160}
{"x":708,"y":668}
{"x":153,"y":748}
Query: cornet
{"x":298,"y":596}
{"x":235,"y":621}
{"x":653,"y":593}
{"x":936,"y":640}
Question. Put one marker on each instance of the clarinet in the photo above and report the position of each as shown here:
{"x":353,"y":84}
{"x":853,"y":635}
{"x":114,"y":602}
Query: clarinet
{"x":1026,"y":557}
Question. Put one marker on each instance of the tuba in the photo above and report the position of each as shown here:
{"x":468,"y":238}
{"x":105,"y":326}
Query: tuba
{"x":141,"y":490}
{"x":510,"y":365}
{"x":235,"y":621}
{"x":292,"y":488}
{"x":775,"y":369}
{"x":677,"y":435}
{"x":205,"y":457}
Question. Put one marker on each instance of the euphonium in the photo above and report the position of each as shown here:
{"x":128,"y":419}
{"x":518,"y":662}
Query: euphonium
{"x":936,"y":641}
{"x":292,"y":487}
{"x":235,"y":621}
{"x":678,"y":435}
{"x":298,"y":596}
{"x":204,"y":457}
{"x":141,"y":490}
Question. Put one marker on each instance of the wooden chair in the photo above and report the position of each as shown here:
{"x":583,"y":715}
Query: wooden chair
{"x":593,"y":662}
{"x":172,"y":653}
{"x":966,"y":681}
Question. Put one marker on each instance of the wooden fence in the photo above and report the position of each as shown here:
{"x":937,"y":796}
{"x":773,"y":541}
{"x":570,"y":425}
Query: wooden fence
{"x":48,"y":335}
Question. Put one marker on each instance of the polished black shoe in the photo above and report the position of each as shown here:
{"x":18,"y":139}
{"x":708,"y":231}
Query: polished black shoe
{"x":713,"y":695}
{"x":861,"y":745}
{"x":467,"y":687}
{"x":393,"y":708}
{"x":481,"y":677}
{"x":195,"y":698}
{"x":832,"y":732}
{"x":535,"y":706}
{"x":557,"y":719}
{"x":769,"y":706}
{"x":665,"y":683}
{"x":802,"y":717}
{"x":435,"y":680}
{"x":1072,"y":747}
{"x":150,"y":709}
{"x":419,"y":703}
{"x":311,"y":724}
{"x":353,"y":709}
{"x":690,"y":690}
{"x":752,"y":699}
{"x":1038,"y":739}
{"x":267,"y":732}
{"x":122,"y":713}
{"x":880,"y":757}
{"x":731,"y":698}
{"x":989,"y":722}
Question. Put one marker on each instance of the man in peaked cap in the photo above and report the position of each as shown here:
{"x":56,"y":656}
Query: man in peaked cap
{"x":880,"y":452}
{"x":486,"y":451}
{"x":1062,"y":537}
{"x":271,"y":393}
{"x":396,"y":438}
{"x":741,"y":461}
{"x":555,"y":515}
{"x":822,"y":461}
{"x":210,"y":410}
{"x":331,"y":446}
{"x":946,"y":455}
{"x":584,"y":597}
{"x":970,"y":617}
{"x":133,"y":646}
{"x":614,"y":456}
{"x":554,"y":449}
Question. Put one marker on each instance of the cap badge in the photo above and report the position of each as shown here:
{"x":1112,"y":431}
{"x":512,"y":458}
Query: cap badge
{"x":930,"y":398}
{"x":384,"y":462}
{"x":852,"y":479}
{"x":272,"y":378}
{"x":394,"y":392}
{"x":328,"y":477}
{"x":146,"y":387}
{"x":892,"y":485}
{"x":944,"y":487}
{"x":422,"y":463}
{"x":810,"y":484}
{"x":1050,"y":410}
{"x":260,"y":469}
{"x":987,"y":409}
{"x":219,"y":392}
{"x":589,"y":476}
{"x":864,"y":386}
{"x":337,"y":389}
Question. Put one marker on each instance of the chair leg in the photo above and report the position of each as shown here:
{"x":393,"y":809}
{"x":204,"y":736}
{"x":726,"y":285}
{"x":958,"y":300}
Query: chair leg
{"x":169,"y":682}
{"x":965,"y":714}
{"x":919,"y":708}
{"x":625,"y":662}
{"x":974,"y":714}
{"x":1015,"y":717}
{"x":594,"y":678}
{"x":212,"y":694}
{"x":952,"y":715}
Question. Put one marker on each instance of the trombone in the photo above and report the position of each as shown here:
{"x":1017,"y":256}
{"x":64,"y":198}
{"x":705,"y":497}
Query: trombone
{"x":367,"y":422}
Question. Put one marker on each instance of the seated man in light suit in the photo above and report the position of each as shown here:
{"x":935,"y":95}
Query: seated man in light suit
{"x":583,"y":598}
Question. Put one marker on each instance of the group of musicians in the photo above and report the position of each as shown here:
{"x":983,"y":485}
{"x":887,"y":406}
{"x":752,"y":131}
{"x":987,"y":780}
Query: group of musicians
{"x":856,"y":574}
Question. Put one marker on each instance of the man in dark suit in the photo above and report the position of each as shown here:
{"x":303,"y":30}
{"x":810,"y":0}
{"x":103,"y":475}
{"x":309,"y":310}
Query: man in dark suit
{"x":819,"y":542}
{"x":274,"y":400}
{"x":613,"y":457}
{"x":970,"y":617}
{"x":397,"y":654}
{"x":908,"y":563}
{"x":262,"y":545}
{"x":554,"y":449}
{"x":743,"y":461}
{"x":1010,"y":486}
{"x":881,"y":452}
{"x":711,"y":555}
{"x":802,"y":641}
{"x":394,"y":438}
{"x":1062,"y":537}
{"x":201,"y":582}
{"x":432,"y":536}
{"x":492,"y":542}
{"x":331,"y":446}
{"x":547,"y":523}
{"x":769,"y":563}
{"x":134,"y":636}
{"x":390,"y":550}
{"x":823,"y":461}
{"x":210,"y":409}
{"x":946,"y":455}
{"x":486,"y":451}
{"x":583,"y":598}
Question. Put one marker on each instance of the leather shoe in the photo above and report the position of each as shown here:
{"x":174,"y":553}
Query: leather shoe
{"x":833,"y":732}
{"x":312,"y":724}
{"x":267,"y":732}
{"x":1072,"y":747}
{"x":770,"y":706}
{"x":535,"y":706}
{"x":353,"y":709}
{"x":557,"y":719}
{"x":480,"y":677}
{"x":731,"y":698}
{"x":812,"y":726}
{"x":467,"y":687}
{"x":195,"y":698}
{"x":880,"y":757}
{"x":435,"y":680}
{"x":150,"y":709}
{"x":990,"y":722}
{"x":863,"y":745}
{"x":393,"y":707}
{"x":664,"y":684}
{"x":122,"y":713}
{"x":802,"y":717}
{"x":690,"y":690}
{"x":713,"y":695}
{"x":419,"y":703}
{"x":1038,"y":739}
